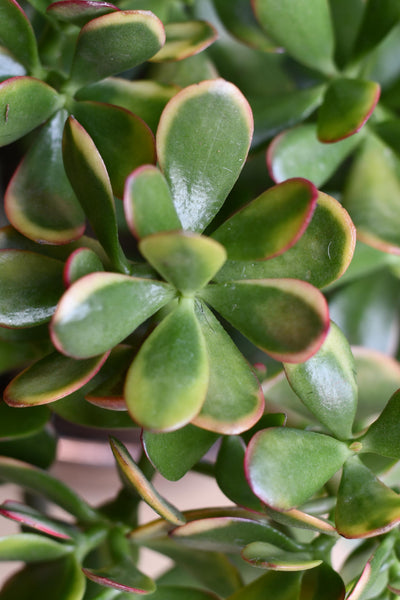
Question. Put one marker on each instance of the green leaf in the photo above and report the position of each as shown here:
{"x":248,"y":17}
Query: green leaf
{"x":234,"y":400}
{"x":114,"y":43}
{"x":326,"y":384}
{"x":61,"y":579}
{"x":89,"y":179}
{"x":347,"y":106}
{"x":184,"y":39}
{"x":39,"y":202}
{"x":13,"y":424}
{"x":29,"y":517}
{"x":322,"y":583}
{"x":25,"y":103}
{"x":32,"y":285}
{"x":137,"y":480}
{"x":365,"y":506}
{"x":79,"y":12}
{"x":285,"y":467}
{"x":38,"y":449}
{"x":123,"y":139}
{"x":16,"y":34}
{"x":270,"y":224}
{"x":276,"y":585}
{"x":332,"y":237}
{"x":286,"y":318}
{"x":174,"y":453}
{"x":371,"y":196}
{"x":50,"y":379}
{"x":202,"y":143}
{"x":374,"y":577}
{"x":346,"y":17}
{"x":230,"y":473}
{"x":82,"y":261}
{"x":238,"y":18}
{"x":298,"y":153}
{"x":269,"y":556}
{"x":100,"y":310}
{"x":186,"y":260}
{"x":380,"y":16}
{"x":124,"y":576}
{"x":38,"y":481}
{"x":145,"y":98}
{"x":302,"y":520}
{"x":307,"y":36}
{"x":382,"y":436}
{"x":9,"y":67}
{"x":75,"y":409}
{"x":30,"y":547}
{"x":179,"y":592}
{"x":148,"y":204}
{"x":167,"y":382}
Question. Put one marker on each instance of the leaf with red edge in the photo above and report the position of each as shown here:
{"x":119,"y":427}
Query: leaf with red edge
{"x":375,"y":574}
{"x":285,"y":467}
{"x":234,"y":400}
{"x":31,"y":287}
{"x":79,"y":12}
{"x":123,"y":139}
{"x":347,"y":106}
{"x":136,"y":480}
{"x":51,"y":378}
{"x":114,"y":43}
{"x":332,"y":237}
{"x":286,"y":318}
{"x":25,"y":103}
{"x":30,"y":547}
{"x":270,"y":224}
{"x":29,"y":517}
{"x":124,"y":576}
{"x":148,"y":204}
{"x":109,"y":393}
{"x":269,"y":556}
{"x":17,"y":35}
{"x":39,"y":202}
{"x":185,"y":39}
{"x":202,"y":142}
{"x":365,"y":506}
{"x":81,"y":262}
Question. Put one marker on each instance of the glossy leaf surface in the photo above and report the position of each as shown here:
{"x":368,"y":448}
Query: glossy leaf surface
{"x":174,"y":453}
{"x":326,"y":384}
{"x":371,"y":196}
{"x":347,"y":106}
{"x":298,"y":153}
{"x":40,"y":202}
{"x":32,"y":518}
{"x":284,"y":317}
{"x":167,"y":382}
{"x":382,"y":436}
{"x":81,"y":262}
{"x":268,"y":556}
{"x":332,"y":237}
{"x":186,"y":260}
{"x":114,"y":43}
{"x":16,"y":34}
{"x":30,"y":547}
{"x":202,"y":142}
{"x":148,"y":204}
{"x":32,"y":286}
{"x":234,"y":400}
{"x":123,"y":140}
{"x":61,"y":579}
{"x":140,"y":484}
{"x":307,"y":35}
{"x":79,"y":12}
{"x":89,"y":178}
{"x":365,"y":506}
{"x":285,"y":467}
{"x":271,"y":223}
{"x":50,"y":379}
{"x":100,"y":310}
{"x":25,"y":103}
{"x":185,"y":39}
{"x":40,"y":482}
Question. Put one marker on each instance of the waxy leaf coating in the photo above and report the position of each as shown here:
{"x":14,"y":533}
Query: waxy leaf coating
{"x":271,"y":223}
{"x":285,"y":467}
{"x":167,"y":382}
{"x":286,"y":318}
{"x":100,"y":310}
{"x":202,"y":142}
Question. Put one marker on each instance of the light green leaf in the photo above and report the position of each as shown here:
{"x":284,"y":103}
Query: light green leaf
{"x":30,"y":547}
{"x":167,"y":382}
{"x":202,"y":143}
{"x":82,"y":261}
{"x":269,"y":556}
{"x":185,"y":39}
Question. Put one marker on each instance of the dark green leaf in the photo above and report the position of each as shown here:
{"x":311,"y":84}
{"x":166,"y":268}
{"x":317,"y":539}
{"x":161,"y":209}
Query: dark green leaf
{"x":322,"y":583}
{"x":276,"y":585}
{"x":32,"y":285}
{"x":346,"y":17}
{"x":82,"y":261}
{"x":14,"y":424}
{"x":238,"y":18}
{"x":76,"y":409}
{"x":38,"y":449}
{"x":202,"y":143}
{"x":380,"y":16}
{"x":16,"y":34}
{"x":382,"y":436}
{"x":79,"y":12}
{"x":285,"y":467}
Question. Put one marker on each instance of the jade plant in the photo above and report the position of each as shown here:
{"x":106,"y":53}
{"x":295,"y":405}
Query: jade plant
{"x":183,"y":185}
